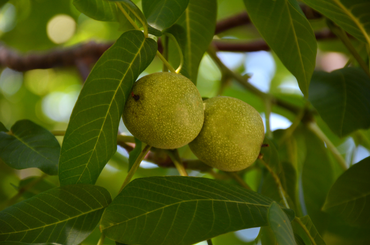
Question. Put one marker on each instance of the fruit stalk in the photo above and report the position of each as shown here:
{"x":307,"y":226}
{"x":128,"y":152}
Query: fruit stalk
{"x":135,"y":166}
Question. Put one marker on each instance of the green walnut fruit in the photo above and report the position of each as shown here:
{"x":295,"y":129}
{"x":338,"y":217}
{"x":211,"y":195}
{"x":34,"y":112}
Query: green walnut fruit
{"x":164,"y":110}
{"x":232,"y":134}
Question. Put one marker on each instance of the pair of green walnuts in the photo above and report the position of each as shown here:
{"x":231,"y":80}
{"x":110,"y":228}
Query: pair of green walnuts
{"x":165,"y":110}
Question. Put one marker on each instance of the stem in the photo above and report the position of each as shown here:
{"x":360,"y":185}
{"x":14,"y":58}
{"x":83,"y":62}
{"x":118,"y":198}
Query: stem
{"x":125,"y":138}
{"x":22,"y":190}
{"x":58,"y":132}
{"x":135,"y":166}
{"x":345,"y":40}
{"x":316,"y":130}
{"x":276,"y":178}
{"x":165,"y":62}
{"x":289,"y":131}
{"x":298,"y":220}
{"x":240,"y":181}
{"x":144,"y":24}
{"x":225,"y":70}
{"x":209,"y":242}
{"x":178,"y":50}
{"x":174,"y":155}
{"x":267,"y":118}
{"x":101,"y":240}
{"x":165,"y":52}
{"x":128,"y":17}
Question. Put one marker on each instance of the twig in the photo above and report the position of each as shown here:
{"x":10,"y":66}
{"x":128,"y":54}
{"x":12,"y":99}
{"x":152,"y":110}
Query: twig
{"x":276,"y":178}
{"x":135,"y":166}
{"x":21,"y":191}
{"x":316,"y":130}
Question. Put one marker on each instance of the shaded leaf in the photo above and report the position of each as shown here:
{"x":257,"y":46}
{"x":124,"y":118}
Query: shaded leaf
{"x":194,"y":32}
{"x":289,"y":34}
{"x":97,"y":9}
{"x":267,"y":236}
{"x":133,"y":11}
{"x":280,"y":225}
{"x":351,"y":15}
{"x":317,"y":178}
{"x":91,"y":136}
{"x":134,"y":154}
{"x":306,"y":221}
{"x":342,"y":99}
{"x":38,"y":185}
{"x":161,"y":14}
{"x":349,"y":197}
{"x":350,"y":234}
{"x":271,"y":155}
{"x":182,"y":210}
{"x":65,"y":215}
{"x":29,"y":145}
{"x":3,"y":128}
{"x":24,"y":243}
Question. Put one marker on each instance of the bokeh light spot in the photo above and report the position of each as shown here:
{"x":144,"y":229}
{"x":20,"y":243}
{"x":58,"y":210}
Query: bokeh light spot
{"x":61,"y":28}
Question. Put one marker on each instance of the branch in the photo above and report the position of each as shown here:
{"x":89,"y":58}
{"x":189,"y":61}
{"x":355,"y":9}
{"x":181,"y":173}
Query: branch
{"x":60,"y":57}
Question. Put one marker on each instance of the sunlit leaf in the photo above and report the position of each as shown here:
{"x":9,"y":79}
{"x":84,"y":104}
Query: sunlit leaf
{"x":342,"y":99}
{"x":65,"y":215}
{"x":349,"y":198}
{"x":182,"y":210}
{"x":289,"y":34}
{"x":351,"y":15}
{"x":194,"y":32}
{"x":280,"y":225}
{"x":91,"y":137}
{"x":310,"y":227}
{"x":161,"y":14}
{"x":97,"y":9}
{"x":317,"y":178}
{"x":29,"y":145}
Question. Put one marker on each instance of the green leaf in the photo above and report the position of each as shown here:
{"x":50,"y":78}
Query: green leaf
{"x":29,"y":145}
{"x":317,"y":178}
{"x":351,"y":15}
{"x":194,"y":32}
{"x":161,"y":14}
{"x":65,"y":215}
{"x":38,"y":185}
{"x":182,"y":210}
{"x":280,"y":225}
{"x":133,"y":11}
{"x":97,"y":9}
{"x":342,"y":99}
{"x":349,"y":197}
{"x":3,"y":128}
{"x":289,"y":34}
{"x":306,"y":221}
{"x":267,"y":236}
{"x":134,"y":154}
{"x":91,"y":137}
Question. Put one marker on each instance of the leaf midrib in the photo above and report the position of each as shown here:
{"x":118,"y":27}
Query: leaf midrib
{"x":27,"y":145}
{"x":364,"y":195}
{"x":108,"y":111}
{"x":354,"y":19}
{"x":180,"y":202}
{"x":54,"y":223}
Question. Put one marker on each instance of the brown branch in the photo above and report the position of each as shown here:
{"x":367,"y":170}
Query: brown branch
{"x":90,"y":53}
{"x":60,"y":57}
